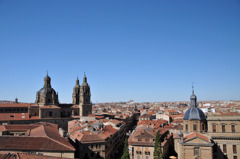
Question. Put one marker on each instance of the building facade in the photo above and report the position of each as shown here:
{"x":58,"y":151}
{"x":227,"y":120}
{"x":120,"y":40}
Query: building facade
{"x":224,"y":130}
{"x":216,"y":136}
{"x":194,"y":142}
{"x":47,"y":106}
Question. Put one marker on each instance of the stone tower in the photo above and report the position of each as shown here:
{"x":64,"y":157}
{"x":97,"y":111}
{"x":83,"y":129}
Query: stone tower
{"x":47,"y":95}
{"x":194,"y":119}
{"x":76,"y":92}
{"x":85,"y":105}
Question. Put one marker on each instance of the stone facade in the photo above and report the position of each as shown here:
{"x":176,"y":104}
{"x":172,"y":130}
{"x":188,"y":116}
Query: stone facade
{"x":224,"y":129}
{"x":85,"y":104}
{"x":141,"y":142}
{"x":195,"y":125}
{"x":194,"y":142}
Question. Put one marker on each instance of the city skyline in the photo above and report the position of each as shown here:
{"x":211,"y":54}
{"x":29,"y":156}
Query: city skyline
{"x":145,"y":51}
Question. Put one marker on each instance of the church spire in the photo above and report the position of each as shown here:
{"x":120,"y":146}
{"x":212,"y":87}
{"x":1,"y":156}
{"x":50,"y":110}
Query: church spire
{"x":192,"y":88}
{"x":77,"y":81}
{"x":84,"y":80}
{"x":193,"y":98}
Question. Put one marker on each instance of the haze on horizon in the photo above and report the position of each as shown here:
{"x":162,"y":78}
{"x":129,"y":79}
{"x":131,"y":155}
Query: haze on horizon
{"x":148,"y":51}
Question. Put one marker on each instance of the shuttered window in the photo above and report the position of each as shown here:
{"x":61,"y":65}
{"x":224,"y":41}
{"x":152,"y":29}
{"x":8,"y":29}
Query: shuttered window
{"x":224,"y":148}
{"x":214,"y":128}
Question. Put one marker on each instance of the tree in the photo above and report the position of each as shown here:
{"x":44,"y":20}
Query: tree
{"x":125,"y":150}
{"x":157,"y":147}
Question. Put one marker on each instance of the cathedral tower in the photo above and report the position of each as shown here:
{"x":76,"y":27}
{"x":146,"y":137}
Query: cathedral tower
{"x":76,"y":92}
{"x":85,"y":104}
{"x":47,"y":95}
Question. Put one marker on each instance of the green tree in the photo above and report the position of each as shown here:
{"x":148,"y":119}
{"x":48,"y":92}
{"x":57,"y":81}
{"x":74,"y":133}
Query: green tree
{"x":157,"y":147}
{"x":125,"y":150}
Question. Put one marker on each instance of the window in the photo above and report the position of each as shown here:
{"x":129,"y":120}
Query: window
{"x":186,"y":126}
{"x":147,"y":140}
{"x":234,"y":157}
{"x":139,"y":152}
{"x":50,"y":114}
{"x":147,"y":157}
{"x":195,"y":127}
{"x":196,"y":151}
{"x":233,"y":128}
{"x":98,"y":154}
{"x":138,"y":157}
{"x":223,"y":128}
{"x":224,"y":148}
{"x":140,"y":139}
{"x":147,"y":152}
{"x":214,"y":128}
{"x":203,"y":127}
{"x":234,"y":148}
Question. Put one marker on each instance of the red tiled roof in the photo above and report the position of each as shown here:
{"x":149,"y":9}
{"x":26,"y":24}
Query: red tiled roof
{"x":26,"y":143}
{"x":14,"y":116}
{"x":195,"y":134}
{"x":155,"y":123}
{"x":25,"y":156}
{"x":230,"y":114}
{"x":14,"y":105}
{"x":40,"y":136}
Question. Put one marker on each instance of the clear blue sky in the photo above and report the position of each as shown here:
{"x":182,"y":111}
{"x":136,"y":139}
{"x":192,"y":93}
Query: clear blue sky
{"x":145,"y":50}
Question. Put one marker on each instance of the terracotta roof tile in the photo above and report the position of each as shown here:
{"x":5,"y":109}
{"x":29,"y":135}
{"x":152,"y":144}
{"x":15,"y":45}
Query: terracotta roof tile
{"x":195,"y":134}
{"x":14,"y":105}
{"x":40,"y":136}
{"x":14,"y":116}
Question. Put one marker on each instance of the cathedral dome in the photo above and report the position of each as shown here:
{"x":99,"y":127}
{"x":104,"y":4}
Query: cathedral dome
{"x":46,"y":90}
{"x":193,"y":96}
{"x":47,"y":94}
{"x":194,"y":113}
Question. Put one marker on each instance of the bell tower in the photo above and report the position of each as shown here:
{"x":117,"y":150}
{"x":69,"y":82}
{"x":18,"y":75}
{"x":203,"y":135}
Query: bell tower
{"x":76,"y":92}
{"x":85,"y":104}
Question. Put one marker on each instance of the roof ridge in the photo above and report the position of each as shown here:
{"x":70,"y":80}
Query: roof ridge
{"x":61,"y":143}
{"x":40,"y":126}
{"x":57,"y":140}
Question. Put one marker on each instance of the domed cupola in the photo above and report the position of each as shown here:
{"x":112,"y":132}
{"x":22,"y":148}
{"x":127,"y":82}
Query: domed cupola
{"x":47,"y":95}
{"x":194,"y":113}
{"x":194,"y":119}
